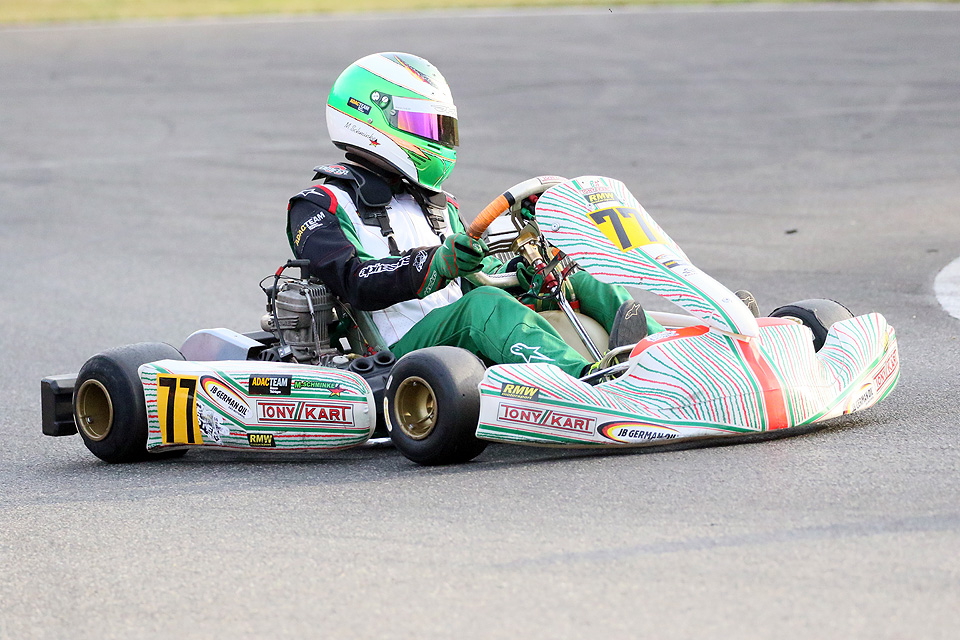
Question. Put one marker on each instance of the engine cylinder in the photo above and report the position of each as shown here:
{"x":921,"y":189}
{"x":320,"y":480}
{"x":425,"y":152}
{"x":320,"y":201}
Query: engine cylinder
{"x":303,"y":312}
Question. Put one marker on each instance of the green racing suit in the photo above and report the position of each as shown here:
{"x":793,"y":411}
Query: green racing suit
{"x":352,"y":253}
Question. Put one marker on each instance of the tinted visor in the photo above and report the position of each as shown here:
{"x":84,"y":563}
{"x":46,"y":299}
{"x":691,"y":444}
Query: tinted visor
{"x":442,"y":129}
{"x":420,"y":118}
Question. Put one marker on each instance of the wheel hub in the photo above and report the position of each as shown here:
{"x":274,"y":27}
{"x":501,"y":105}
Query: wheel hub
{"x":94,"y":410}
{"x":415,"y":408}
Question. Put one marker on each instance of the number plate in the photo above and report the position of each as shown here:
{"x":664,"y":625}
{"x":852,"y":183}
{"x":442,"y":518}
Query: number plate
{"x":626,"y":227}
{"x":177,"y":409}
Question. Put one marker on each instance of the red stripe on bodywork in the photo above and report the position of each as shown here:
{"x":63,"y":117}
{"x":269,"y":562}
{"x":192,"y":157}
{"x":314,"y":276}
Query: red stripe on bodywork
{"x":773,"y":401}
{"x":774,"y":322}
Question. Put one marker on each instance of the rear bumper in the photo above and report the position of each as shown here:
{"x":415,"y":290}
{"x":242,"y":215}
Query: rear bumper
{"x":56,"y":402}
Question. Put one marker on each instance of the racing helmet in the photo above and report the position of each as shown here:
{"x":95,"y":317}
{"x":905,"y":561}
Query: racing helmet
{"x":395,"y":109}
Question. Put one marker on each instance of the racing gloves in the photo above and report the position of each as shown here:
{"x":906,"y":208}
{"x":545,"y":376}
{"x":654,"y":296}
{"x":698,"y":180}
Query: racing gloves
{"x":458,"y":255}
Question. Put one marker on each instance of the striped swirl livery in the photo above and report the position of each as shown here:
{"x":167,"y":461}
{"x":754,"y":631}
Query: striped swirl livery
{"x":314,"y":408}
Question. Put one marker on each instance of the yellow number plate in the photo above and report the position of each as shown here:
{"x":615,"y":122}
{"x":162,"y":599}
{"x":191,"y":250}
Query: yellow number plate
{"x":626,"y":227}
{"x":177,"y":409}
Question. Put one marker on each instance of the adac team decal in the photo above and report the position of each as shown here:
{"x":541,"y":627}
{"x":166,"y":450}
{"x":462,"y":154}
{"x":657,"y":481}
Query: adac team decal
{"x":265,"y":385}
{"x":359,"y":106}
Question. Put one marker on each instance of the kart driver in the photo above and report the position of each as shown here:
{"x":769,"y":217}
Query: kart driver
{"x":381,"y":234}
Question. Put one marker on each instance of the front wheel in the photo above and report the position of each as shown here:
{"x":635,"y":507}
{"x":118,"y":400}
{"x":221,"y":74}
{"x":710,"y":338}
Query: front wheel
{"x":817,"y":314}
{"x":108,"y":402}
{"x":432,"y":405}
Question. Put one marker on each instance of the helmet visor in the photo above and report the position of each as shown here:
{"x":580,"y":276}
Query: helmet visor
{"x":427,"y":119}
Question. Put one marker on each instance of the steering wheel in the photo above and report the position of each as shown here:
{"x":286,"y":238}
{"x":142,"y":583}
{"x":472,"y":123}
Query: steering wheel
{"x":509,"y":200}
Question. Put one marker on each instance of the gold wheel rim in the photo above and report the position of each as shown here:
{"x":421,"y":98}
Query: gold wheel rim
{"x":94,"y":413}
{"x":415,"y":408}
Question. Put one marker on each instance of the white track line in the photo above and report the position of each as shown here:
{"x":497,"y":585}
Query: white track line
{"x":947,"y":288}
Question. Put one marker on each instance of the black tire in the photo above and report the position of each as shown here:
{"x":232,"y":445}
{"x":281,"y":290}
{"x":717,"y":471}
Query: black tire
{"x":108,"y":403}
{"x":818,"y":314}
{"x":433,"y":405}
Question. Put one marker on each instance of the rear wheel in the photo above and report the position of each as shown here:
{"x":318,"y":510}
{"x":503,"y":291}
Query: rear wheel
{"x":432,"y":405}
{"x":817,"y":314}
{"x":108,"y":403}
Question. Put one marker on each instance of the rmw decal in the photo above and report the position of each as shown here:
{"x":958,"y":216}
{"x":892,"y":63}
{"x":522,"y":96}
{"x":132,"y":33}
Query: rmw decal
{"x":310,"y":412}
{"x":546,"y":418}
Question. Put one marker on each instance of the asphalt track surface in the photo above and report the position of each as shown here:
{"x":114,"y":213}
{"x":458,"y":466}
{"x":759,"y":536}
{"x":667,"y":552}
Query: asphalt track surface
{"x":144,"y":171}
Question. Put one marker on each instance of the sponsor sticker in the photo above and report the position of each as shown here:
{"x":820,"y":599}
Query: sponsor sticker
{"x":548,"y":418}
{"x":861,"y":399}
{"x":519,"y":391}
{"x":269,"y":385}
{"x":225,"y":397}
{"x":594,"y":186}
{"x":334,"y":388}
{"x":636,"y":432}
{"x":599,"y":197}
{"x":671,"y":262}
{"x":359,"y":106}
{"x":549,"y":179}
{"x":304,"y":412}
{"x":261,"y":440}
{"x":887,"y":370}
{"x":663,"y":335}
{"x":335,"y":169}
{"x":211,"y":425}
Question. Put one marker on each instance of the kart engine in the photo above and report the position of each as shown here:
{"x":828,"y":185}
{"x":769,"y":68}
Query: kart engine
{"x":299,"y":314}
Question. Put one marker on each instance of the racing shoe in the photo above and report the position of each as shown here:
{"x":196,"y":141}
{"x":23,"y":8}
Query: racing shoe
{"x":747,"y":298}
{"x":629,"y":325}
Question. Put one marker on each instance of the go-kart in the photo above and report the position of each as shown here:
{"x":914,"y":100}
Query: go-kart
{"x":317,"y":376}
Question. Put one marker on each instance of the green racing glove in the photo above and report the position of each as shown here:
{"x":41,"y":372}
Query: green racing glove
{"x":458,"y":255}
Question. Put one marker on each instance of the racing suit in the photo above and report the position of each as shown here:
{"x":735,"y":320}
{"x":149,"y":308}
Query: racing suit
{"x":370,"y":238}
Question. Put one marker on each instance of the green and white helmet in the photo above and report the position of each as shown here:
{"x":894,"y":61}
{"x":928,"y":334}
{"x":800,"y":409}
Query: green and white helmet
{"x":396,"y":108}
